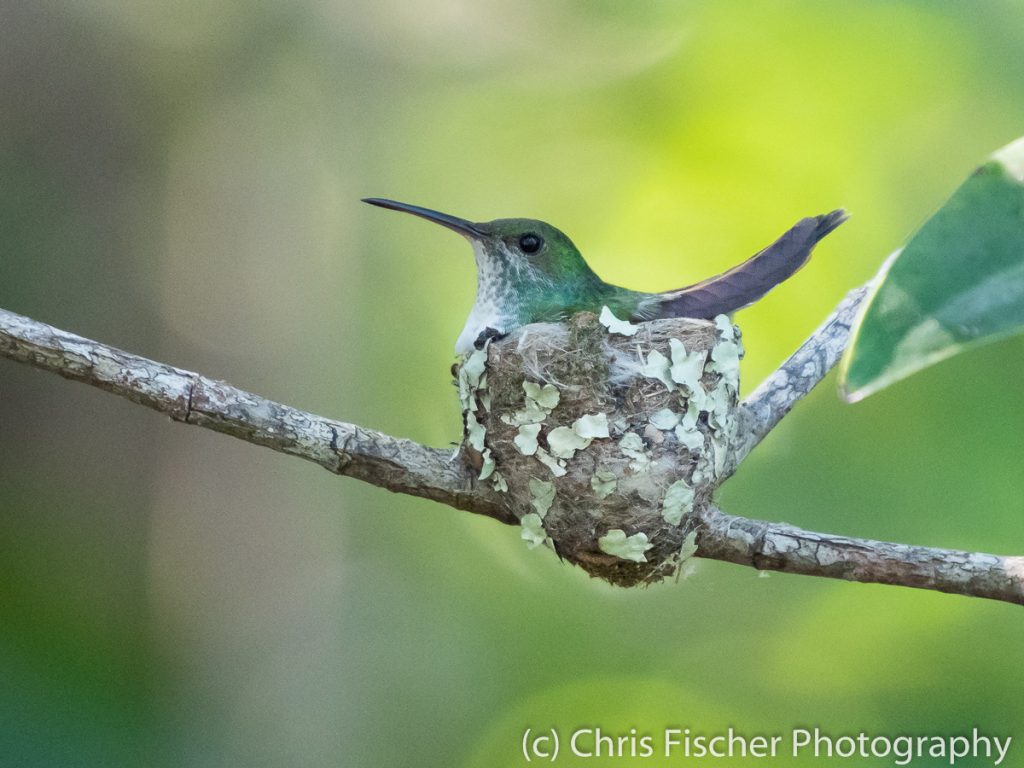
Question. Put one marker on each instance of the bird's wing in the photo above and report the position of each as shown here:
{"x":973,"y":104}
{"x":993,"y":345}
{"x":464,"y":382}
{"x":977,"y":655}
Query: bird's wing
{"x":746,"y":283}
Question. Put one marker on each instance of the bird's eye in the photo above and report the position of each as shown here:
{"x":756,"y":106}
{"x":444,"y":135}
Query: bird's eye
{"x":530,"y":243}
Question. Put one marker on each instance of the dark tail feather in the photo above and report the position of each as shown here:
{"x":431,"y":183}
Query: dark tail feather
{"x":744,"y":284}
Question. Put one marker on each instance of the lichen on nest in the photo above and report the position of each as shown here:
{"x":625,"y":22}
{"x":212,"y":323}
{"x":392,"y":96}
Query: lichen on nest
{"x":624,"y":430}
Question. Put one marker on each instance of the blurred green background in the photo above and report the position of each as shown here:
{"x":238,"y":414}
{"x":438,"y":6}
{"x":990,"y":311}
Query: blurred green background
{"x":182,"y":180}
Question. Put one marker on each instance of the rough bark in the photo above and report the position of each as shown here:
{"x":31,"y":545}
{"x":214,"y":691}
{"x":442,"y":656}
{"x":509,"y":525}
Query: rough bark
{"x":399,"y":465}
{"x":781,"y":547}
{"x":767,"y":405}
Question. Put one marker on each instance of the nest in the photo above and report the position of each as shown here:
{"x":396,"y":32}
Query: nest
{"x":607,"y":445}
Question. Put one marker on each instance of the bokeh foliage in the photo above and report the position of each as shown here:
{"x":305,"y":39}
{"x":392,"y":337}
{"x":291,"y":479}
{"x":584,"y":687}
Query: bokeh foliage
{"x":958,"y":282}
{"x":181,"y":179}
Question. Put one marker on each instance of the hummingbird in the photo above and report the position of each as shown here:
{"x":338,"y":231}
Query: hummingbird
{"x":527,"y":271}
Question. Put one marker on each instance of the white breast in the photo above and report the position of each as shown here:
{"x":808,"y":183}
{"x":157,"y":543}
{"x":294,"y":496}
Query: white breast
{"x":487,"y":309}
{"x":482,"y":317}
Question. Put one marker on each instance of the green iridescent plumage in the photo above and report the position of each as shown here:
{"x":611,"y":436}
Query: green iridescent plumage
{"x":528,"y":271}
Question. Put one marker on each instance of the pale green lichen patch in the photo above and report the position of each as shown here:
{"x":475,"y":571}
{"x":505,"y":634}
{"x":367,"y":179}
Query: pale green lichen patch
{"x":689,"y":548}
{"x":472,"y":376}
{"x":696,"y":402}
{"x":608,"y":319}
{"x":719,"y":405}
{"x":473,"y":368}
{"x":591,"y":426}
{"x":726,"y":354}
{"x":726,"y":360}
{"x":543,"y":494}
{"x":526,"y":439}
{"x":693,"y":409}
{"x":659,"y":367}
{"x":689,"y":436}
{"x":726,"y":328}
{"x":546,"y":396}
{"x":539,"y":402}
{"x":472,"y":382}
{"x":563,"y":442}
{"x":531,"y":414}
{"x":499,"y":483}
{"x":686,"y":553}
{"x":533,"y":532}
{"x":665,"y":419}
{"x":632,"y":446}
{"x":603,"y":482}
{"x":720,"y":418}
{"x":488,"y":467}
{"x":678,"y":501}
{"x":618,"y":544}
{"x":474,"y":431}
{"x":687,"y":367}
{"x":556,"y":466}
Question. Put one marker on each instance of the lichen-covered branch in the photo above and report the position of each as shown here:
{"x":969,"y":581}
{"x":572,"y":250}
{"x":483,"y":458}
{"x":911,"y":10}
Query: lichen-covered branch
{"x":404,"y":466}
{"x":767,"y":405}
{"x":398,"y":465}
{"x":781,"y":547}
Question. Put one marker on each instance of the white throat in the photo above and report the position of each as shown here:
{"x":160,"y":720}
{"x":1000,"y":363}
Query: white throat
{"x":490,"y":308}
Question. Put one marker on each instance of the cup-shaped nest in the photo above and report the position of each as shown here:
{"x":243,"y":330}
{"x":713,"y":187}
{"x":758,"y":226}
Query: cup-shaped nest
{"x":606,"y":443}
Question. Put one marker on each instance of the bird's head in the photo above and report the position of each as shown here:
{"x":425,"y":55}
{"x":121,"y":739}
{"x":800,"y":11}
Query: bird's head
{"x":520,"y":252}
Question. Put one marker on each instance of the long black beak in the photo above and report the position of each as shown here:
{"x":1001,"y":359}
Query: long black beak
{"x":463,"y":227}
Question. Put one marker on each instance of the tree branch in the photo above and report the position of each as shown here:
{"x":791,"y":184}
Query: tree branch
{"x":398,"y":465}
{"x":404,"y":466}
{"x":781,"y":547}
{"x":767,"y":405}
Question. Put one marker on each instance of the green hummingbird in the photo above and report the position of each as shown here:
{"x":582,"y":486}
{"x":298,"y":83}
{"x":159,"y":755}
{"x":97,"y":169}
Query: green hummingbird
{"x":529,"y":272}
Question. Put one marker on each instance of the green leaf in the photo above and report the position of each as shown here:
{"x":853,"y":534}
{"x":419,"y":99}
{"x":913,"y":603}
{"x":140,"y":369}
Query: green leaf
{"x":958,"y":283}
